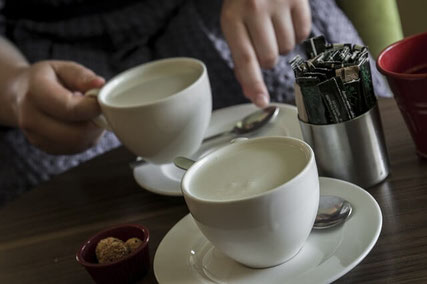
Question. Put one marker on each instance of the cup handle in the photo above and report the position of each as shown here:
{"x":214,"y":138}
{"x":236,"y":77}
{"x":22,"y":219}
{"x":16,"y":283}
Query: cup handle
{"x":100,"y":121}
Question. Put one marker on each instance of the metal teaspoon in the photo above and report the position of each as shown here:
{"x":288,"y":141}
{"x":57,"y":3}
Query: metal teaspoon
{"x":333,"y":210}
{"x":249,"y":123}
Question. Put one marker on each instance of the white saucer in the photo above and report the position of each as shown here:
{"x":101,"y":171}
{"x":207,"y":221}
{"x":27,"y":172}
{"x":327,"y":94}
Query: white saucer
{"x":166,"y":179}
{"x":186,"y":256}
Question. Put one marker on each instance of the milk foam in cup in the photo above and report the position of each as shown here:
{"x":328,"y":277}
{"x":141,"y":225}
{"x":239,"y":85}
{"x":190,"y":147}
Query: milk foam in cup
{"x":158,"y":110}
{"x":255,"y":200}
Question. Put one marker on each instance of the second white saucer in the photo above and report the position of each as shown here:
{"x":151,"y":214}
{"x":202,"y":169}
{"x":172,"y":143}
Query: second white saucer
{"x":186,"y":256}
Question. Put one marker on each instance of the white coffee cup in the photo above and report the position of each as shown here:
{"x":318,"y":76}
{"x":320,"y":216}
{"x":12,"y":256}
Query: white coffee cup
{"x":255,"y":200}
{"x":158,"y":110}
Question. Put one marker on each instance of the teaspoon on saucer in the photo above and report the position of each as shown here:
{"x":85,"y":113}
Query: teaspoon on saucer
{"x":249,"y":123}
{"x":333,"y":210}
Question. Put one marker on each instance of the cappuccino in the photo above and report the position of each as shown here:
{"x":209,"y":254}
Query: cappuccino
{"x":158,"y":110}
{"x":255,"y":200}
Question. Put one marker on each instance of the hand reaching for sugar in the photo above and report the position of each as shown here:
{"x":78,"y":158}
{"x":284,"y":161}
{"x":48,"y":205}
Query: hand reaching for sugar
{"x":257,"y":31}
{"x":50,"y":107}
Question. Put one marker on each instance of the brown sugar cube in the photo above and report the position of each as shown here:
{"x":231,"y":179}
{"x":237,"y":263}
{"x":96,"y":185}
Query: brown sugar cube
{"x":132,"y":244}
{"x":110,"y":250}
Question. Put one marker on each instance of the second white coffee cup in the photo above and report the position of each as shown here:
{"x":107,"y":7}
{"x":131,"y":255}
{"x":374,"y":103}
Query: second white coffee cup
{"x":158,"y":110}
{"x":255,"y":200}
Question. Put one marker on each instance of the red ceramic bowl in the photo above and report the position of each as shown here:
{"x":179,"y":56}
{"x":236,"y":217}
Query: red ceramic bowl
{"x":404,"y":64}
{"x":127,"y":270}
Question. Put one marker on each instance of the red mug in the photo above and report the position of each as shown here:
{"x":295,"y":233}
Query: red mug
{"x":404,"y":64}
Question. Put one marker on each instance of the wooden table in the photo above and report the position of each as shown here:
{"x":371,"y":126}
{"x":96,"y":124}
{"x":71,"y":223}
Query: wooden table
{"x":41,"y":231}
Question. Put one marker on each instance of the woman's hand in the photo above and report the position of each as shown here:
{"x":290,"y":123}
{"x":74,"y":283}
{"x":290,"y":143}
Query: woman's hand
{"x":50,"y":107}
{"x":257,"y":31}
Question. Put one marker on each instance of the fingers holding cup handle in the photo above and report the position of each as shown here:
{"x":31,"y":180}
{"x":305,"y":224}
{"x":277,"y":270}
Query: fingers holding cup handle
{"x":100,"y":121}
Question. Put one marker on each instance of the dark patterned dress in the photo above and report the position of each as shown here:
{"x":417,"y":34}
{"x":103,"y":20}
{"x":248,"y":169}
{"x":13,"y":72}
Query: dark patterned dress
{"x":109,"y":36}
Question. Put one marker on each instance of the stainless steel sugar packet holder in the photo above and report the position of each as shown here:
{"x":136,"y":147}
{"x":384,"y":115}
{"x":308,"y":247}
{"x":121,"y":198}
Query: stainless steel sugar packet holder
{"x":353,"y":150}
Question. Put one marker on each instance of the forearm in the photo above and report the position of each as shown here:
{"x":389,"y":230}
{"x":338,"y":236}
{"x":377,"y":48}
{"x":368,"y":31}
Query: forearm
{"x":11,"y":64}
